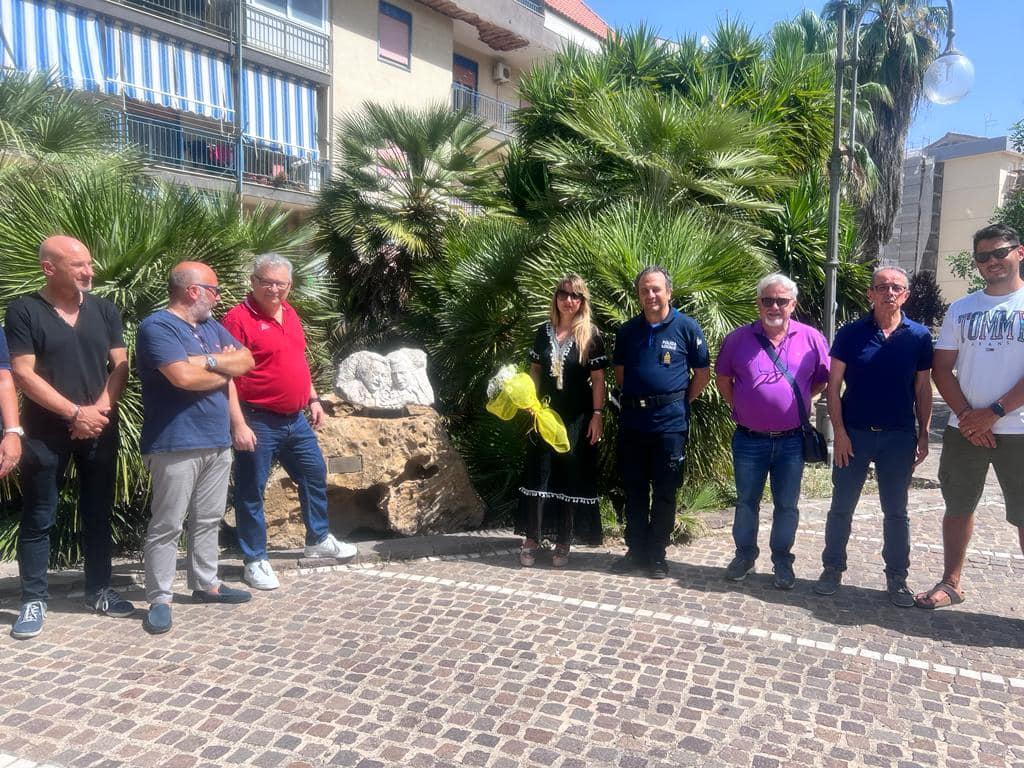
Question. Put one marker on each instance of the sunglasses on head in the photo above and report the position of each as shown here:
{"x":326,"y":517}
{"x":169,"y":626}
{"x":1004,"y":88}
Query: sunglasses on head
{"x":569,"y":295}
{"x":1000,"y":253}
{"x":774,"y":301}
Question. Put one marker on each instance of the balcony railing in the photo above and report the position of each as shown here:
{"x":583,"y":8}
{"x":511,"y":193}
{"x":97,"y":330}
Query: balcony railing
{"x":498,"y":114}
{"x":263,"y":31}
{"x":211,"y":153}
{"x":534,"y":5}
{"x":214,"y":16}
{"x":286,"y":39}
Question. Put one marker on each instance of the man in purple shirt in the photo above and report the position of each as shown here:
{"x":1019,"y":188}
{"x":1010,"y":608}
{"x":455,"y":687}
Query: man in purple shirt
{"x":767,"y":440}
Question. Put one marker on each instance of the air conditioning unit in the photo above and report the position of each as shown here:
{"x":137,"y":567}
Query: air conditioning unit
{"x":502,"y":72}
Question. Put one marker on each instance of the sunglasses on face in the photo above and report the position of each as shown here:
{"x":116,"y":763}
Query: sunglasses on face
{"x":569,"y":295}
{"x":214,"y":289}
{"x":999,"y":253}
{"x":774,"y":301}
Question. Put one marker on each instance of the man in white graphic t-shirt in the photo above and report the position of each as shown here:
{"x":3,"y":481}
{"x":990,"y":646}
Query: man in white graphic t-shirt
{"x":982,"y":337}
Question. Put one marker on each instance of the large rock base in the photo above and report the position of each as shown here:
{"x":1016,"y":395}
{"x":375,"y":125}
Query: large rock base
{"x":385,"y":475}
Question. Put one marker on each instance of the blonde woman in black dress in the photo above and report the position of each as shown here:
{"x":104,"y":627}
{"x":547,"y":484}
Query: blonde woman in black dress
{"x":558,"y":497}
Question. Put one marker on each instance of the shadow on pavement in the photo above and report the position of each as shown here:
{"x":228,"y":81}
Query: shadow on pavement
{"x":851,"y":606}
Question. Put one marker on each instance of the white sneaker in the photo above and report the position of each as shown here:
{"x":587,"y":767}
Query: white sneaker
{"x":259,"y":575}
{"x":331,"y":547}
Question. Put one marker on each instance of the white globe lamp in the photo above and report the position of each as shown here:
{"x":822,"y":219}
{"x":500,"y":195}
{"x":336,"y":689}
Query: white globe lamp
{"x":948,"y":78}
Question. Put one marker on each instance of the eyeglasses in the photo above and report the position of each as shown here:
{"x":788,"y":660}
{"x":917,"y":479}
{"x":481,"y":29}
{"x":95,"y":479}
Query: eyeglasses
{"x":569,"y":295}
{"x":279,"y":284}
{"x":774,"y":301}
{"x":214,"y":289}
{"x":1000,"y":253}
{"x":889,"y":288}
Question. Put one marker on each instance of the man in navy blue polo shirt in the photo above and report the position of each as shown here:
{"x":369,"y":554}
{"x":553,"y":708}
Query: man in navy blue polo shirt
{"x":661,"y":366}
{"x":885,"y":360}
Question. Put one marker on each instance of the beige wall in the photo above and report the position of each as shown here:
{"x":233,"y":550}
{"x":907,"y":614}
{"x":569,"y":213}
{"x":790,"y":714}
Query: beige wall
{"x":571,"y":32}
{"x":971,"y":191}
{"x":486,"y":84}
{"x":359,"y":76}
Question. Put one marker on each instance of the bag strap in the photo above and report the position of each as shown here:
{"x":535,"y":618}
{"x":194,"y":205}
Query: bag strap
{"x":770,"y":350}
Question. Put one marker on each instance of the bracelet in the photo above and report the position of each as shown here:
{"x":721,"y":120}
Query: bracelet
{"x":599,"y":411}
{"x":74,"y":415}
{"x":313,"y":400}
{"x":962,"y":411}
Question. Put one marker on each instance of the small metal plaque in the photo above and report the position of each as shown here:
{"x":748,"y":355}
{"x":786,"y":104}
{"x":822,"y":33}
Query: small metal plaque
{"x":341,"y":465}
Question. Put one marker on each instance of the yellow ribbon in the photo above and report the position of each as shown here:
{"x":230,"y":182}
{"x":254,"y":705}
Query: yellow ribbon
{"x":519,"y":393}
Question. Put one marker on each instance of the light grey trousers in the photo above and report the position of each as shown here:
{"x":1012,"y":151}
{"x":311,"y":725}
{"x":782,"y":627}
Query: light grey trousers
{"x":191,"y":484}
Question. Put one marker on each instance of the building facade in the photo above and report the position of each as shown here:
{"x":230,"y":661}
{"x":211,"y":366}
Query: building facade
{"x":222,"y":94}
{"x":951,"y":189}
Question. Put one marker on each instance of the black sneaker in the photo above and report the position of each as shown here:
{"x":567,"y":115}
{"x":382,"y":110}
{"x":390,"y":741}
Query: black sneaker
{"x":784,"y":579}
{"x":109,"y":603}
{"x":658,"y":569}
{"x":829,"y":581}
{"x":738,"y":569}
{"x":899,"y":594}
{"x":628,"y":563}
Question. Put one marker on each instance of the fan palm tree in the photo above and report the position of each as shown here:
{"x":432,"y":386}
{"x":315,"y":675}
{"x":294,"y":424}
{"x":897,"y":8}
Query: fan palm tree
{"x":401,"y":180}
{"x":896,"y":47}
{"x":798,"y":242}
{"x":40,"y":120}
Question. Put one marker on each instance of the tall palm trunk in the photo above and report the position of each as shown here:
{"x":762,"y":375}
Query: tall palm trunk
{"x":897,"y":46}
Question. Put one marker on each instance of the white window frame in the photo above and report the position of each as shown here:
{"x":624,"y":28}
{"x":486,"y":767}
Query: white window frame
{"x":324,"y":27}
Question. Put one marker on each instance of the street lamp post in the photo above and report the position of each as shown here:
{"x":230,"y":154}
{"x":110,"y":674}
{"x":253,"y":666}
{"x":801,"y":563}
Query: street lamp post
{"x":947,"y":80}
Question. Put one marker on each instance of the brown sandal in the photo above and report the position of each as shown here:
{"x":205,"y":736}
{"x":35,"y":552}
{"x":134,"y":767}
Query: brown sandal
{"x":528,"y":554}
{"x":953,"y":596}
{"x":560,"y":558}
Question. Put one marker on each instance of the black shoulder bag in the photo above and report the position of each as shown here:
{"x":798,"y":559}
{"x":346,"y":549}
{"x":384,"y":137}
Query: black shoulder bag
{"x":815,"y":444}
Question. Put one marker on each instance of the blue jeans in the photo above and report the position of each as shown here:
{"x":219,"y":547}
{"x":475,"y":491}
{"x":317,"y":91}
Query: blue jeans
{"x":893,"y":454}
{"x":290,"y":440}
{"x":755,"y":459}
{"x":652,"y":466}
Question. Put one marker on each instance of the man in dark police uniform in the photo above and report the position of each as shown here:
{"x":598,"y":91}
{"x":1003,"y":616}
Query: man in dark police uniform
{"x":661,"y":366}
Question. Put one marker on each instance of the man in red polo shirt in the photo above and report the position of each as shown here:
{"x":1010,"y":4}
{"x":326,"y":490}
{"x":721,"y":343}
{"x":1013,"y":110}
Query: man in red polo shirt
{"x":269,"y":421}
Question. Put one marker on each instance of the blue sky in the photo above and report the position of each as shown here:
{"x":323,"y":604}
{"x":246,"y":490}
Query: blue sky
{"x":986,"y":32}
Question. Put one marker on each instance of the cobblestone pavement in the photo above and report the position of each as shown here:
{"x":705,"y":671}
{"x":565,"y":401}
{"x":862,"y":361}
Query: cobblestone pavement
{"x":478,"y":662}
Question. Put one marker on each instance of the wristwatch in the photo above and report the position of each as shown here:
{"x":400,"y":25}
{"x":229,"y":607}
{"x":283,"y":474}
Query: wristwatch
{"x":998,"y":409}
{"x":211,"y":362}
{"x":15,"y":430}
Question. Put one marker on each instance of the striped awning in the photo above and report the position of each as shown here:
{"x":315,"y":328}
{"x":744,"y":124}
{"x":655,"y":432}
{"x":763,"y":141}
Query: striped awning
{"x":280,"y":112}
{"x":38,"y":37}
{"x":149,"y":68}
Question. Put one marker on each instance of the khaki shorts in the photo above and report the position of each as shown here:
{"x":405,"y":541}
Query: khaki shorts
{"x":963,"y":467}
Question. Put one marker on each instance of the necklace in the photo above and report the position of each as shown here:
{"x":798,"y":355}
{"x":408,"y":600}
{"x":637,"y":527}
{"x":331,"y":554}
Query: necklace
{"x":559,"y":354}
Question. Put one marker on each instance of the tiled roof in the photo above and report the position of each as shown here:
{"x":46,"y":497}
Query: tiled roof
{"x":578,"y":13}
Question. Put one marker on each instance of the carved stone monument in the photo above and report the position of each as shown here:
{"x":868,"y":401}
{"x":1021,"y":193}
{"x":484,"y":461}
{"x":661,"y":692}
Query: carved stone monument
{"x":391,"y":468}
{"x":371,"y":381}
{"x":390,"y":475}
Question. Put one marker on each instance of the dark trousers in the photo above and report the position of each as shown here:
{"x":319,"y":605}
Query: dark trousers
{"x":44,"y":461}
{"x":893,"y":454}
{"x":651,"y":464}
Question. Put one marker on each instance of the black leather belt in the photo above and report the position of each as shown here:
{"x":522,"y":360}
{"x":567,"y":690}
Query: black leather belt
{"x":652,"y":401}
{"x":755,"y":433}
{"x":258,"y":409}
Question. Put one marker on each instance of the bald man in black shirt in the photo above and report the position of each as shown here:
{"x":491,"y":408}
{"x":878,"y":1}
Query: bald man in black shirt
{"x":69,"y":359}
